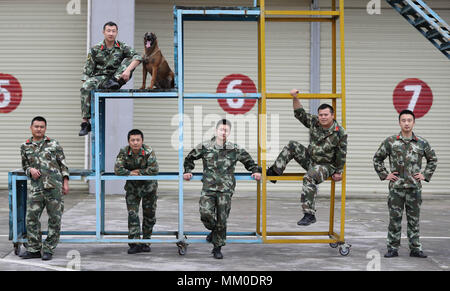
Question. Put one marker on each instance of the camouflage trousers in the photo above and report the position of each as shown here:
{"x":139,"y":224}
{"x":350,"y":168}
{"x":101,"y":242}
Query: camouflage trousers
{"x":52,"y":200}
{"x":398,"y":199}
{"x":214,"y":211}
{"x":133,"y":199}
{"x":315,"y":174}
{"x":97,"y":82}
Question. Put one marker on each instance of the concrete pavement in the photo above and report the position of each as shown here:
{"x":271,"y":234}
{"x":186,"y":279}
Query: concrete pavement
{"x":365,"y":229}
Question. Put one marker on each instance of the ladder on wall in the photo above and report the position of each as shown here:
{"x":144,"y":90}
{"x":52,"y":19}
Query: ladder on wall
{"x":426,"y":21}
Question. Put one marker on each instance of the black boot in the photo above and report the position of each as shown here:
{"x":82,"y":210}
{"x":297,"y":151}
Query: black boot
{"x":145,"y":248}
{"x":85,"y":128}
{"x":47,"y":257}
{"x":217,"y":253}
{"x":307,"y":219}
{"x":417,"y":254}
{"x":30,"y":255}
{"x":271,"y":172}
{"x":111,"y":84}
{"x":134,"y":249}
{"x":391,"y":253}
{"x":122,"y":82}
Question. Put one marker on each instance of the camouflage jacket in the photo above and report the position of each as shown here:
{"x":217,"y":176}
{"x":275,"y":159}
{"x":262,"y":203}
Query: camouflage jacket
{"x":145,"y":161}
{"x":405,"y":157}
{"x":326,"y":146}
{"x":105,"y":61}
{"x":48,"y":157}
{"x":219,"y":164}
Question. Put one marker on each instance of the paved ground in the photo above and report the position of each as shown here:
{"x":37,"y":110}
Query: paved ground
{"x":366,"y":223}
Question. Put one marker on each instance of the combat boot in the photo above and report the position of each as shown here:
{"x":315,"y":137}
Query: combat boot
{"x":391,"y":253}
{"x":112,"y":84}
{"x":271,"y":172}
{"x":417,"y":254}
{"x":217,"y":254}
{"x":307,"y":219}
{"x":134,"y":249}
{"x":47,"y":257}
{"x":145,"y":248}
{"x":30,"y":255}
{"x":85,"y":128}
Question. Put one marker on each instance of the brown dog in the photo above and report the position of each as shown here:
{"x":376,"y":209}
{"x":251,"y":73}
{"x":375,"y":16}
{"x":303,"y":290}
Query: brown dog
{"x":155,"y":64}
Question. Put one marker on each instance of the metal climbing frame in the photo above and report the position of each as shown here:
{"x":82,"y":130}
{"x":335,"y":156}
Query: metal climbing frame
{"x":335,"y":239}
{"x":17,"y":180}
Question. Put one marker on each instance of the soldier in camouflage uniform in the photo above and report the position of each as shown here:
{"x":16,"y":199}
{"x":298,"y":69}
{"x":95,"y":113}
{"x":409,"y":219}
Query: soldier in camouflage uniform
{"x":219,"y":160}
{"x":405,"y":152}
{"x":109,"y":65}
{"x":325,"y":156}
{"x":43,"y":161}
{"x":138,"y":159}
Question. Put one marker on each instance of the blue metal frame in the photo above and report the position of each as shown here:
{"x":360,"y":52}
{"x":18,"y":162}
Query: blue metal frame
{"x":98,"y":173}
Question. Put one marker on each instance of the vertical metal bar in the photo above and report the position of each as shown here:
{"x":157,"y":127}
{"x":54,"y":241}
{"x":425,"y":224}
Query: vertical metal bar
{"x":258,"y":187}
{"x":262,"y":118}
{"x":97,"y":168}
{"x":179,"y":31}
{"x":333,"y":50}
{"x":102,"y":197}
{"x":332,"y":198}
{"x":344,"y":179}
{"x":14,"y":207}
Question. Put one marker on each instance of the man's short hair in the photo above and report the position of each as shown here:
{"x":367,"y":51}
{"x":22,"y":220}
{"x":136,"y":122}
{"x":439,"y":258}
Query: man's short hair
{"x":325,"y":106}
{"x":135,"y":132}
{"x":110,"y":23}
{"x":39,"y":118}
{"x":406,"y":111}
{"x":223,"y":121}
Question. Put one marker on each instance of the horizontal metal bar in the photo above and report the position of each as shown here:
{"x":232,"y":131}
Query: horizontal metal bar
{"x":289,"y":177}
{"x":168,"y":176}
{"x":295,"y":233}
{"x":229,"y":233}
{"x":242,"y":12}
{"x":303,"y":96}
{"x":298,"y":241}
{"x":140,"y":178}
{"x":239,"y":241}
{"x":296,"y":19}
{"x":221,"y":95}
{"x":136,"y":94}
{"x":300,"y":12}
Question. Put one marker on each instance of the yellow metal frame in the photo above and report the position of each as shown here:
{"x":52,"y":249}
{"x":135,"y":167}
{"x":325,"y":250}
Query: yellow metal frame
{"x":296,"y":16}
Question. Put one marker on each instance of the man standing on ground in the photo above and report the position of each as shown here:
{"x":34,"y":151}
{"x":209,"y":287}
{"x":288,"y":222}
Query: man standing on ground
{"x":44,"y":162}
{"x":405,"y":152}
{"x":109,"y":65}
{"x":325,"y":156}
{"x":219,"y":160}
{"x":138,"y":159}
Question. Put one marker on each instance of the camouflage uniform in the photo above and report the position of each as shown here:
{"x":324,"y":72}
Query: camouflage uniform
{"x":145,"y":161}
{"x":101,"y":65}
{"x":218,"y":182}
{"x":47,"y":156}
{"x":325,"y":155}
{"x":405,"y":157}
